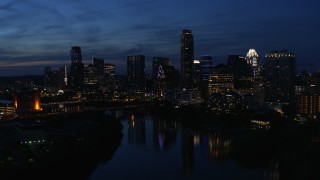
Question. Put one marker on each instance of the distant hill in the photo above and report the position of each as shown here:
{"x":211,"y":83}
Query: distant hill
{"x":37,"y":79}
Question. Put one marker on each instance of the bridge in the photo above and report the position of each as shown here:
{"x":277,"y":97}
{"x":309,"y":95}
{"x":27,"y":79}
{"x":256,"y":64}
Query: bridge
{"x":117,"y":111}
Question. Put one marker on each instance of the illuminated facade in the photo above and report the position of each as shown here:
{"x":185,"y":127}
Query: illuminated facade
{"x":197,"y":76}
{"x":187,"y":57}
{"x":253,"y":60}
{"x":27,"y":102}
{"x":309,"y":105}
{"x":225,"y":103}
{"x":109,"y":69}
{"x":160,"y":74}
{"x":221,"y":80}
{"x":94,"y":77}
{"x":7,"y":110}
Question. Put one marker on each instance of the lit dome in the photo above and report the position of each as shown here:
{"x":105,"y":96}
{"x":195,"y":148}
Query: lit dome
{"x":252,"y":53}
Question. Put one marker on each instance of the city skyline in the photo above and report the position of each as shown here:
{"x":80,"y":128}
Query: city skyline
{"x":36,"y":34}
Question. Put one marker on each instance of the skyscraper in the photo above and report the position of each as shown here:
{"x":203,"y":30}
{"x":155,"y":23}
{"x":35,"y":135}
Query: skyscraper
{"x":54,"y":78}
{"x":280,"y":75}
{"x":242,"y":72}
{"x":187,"y":57}
{"x":136,"y":72}
{"x":221,"y":80}
{"x":99,"y":64}
{"x":206,"y":67}
{"x":110,"y":71}
{"x":156,"y":63}
{"x":206,"y":63}
{"x":159,"y":65}
{"x":253,"y":60}
{"x":76,"y":69}
{"x":75,"y":53}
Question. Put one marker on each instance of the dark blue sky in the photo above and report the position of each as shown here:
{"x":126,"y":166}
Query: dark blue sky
{"x":37,"y":33}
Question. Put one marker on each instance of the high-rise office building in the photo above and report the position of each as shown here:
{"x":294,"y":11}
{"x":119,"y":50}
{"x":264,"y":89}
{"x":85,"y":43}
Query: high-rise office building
{"x":91,"y":78}
{"x":280,"y":75}
{"x":136,"y":72}
{"x":55,"y":78}
{"x":206,"y":67}
{"x":221,"y":80}
{"x":160,"y":66}
{"x":99,"y":64}
{"x":76,"y":82}
{"x":242,"y":72}
{"x":75,"y":53}
{"x":156,"y":63}
{"x":109,"y":69}
{"x":111,"y":83}
{"x":308,"y":105}
{"x":187,"y":57}
{"x":206,"y":63}
{"x":253,"y":60}
{"x":197,"y":74}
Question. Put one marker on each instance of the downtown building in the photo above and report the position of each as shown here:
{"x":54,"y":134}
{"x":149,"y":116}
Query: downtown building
{"x":136,"y":72}
{"x":94,"y":75}
{"x":307,"y":92}
{"x":164,"y":76}
{"x":206,"y":63}
{"x":279,"y":72}
{"x":187,"y":59}
{"x":76,"y":78}
{"x":253,"y":60}
{"x":221,"y":80}
{"x":190,"y":71}
{"x":110,"y":79}
{"x":243,"y":74}
{"x":55,"y":79}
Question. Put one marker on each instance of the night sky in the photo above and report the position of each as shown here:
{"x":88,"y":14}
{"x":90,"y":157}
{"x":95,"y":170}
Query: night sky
{"x":38,"y":33}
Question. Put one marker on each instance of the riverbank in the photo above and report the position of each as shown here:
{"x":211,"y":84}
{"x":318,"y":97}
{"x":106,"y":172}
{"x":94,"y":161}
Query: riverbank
{"x":75,"y":145}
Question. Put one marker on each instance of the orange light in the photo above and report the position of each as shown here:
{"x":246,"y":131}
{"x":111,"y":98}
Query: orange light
{"x":37,"y":104}
{"x":15,"y":102}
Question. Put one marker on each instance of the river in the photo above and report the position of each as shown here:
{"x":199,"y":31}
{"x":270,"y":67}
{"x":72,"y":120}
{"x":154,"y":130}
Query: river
{"x":155,"y":148}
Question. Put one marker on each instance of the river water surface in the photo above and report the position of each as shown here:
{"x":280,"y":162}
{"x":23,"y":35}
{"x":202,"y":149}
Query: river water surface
{"x":153,"y":148}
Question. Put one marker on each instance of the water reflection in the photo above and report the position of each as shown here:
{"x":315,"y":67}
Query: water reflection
{"x":219,"y":146}
{"x":136,"y":130}
{"x":272,"y":172}
{"x":152,"y":145}
{"x":164,"y":134}
{"x":187,"y":151}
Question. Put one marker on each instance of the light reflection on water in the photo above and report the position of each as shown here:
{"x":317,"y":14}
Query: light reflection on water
{"x":154,"y":148}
